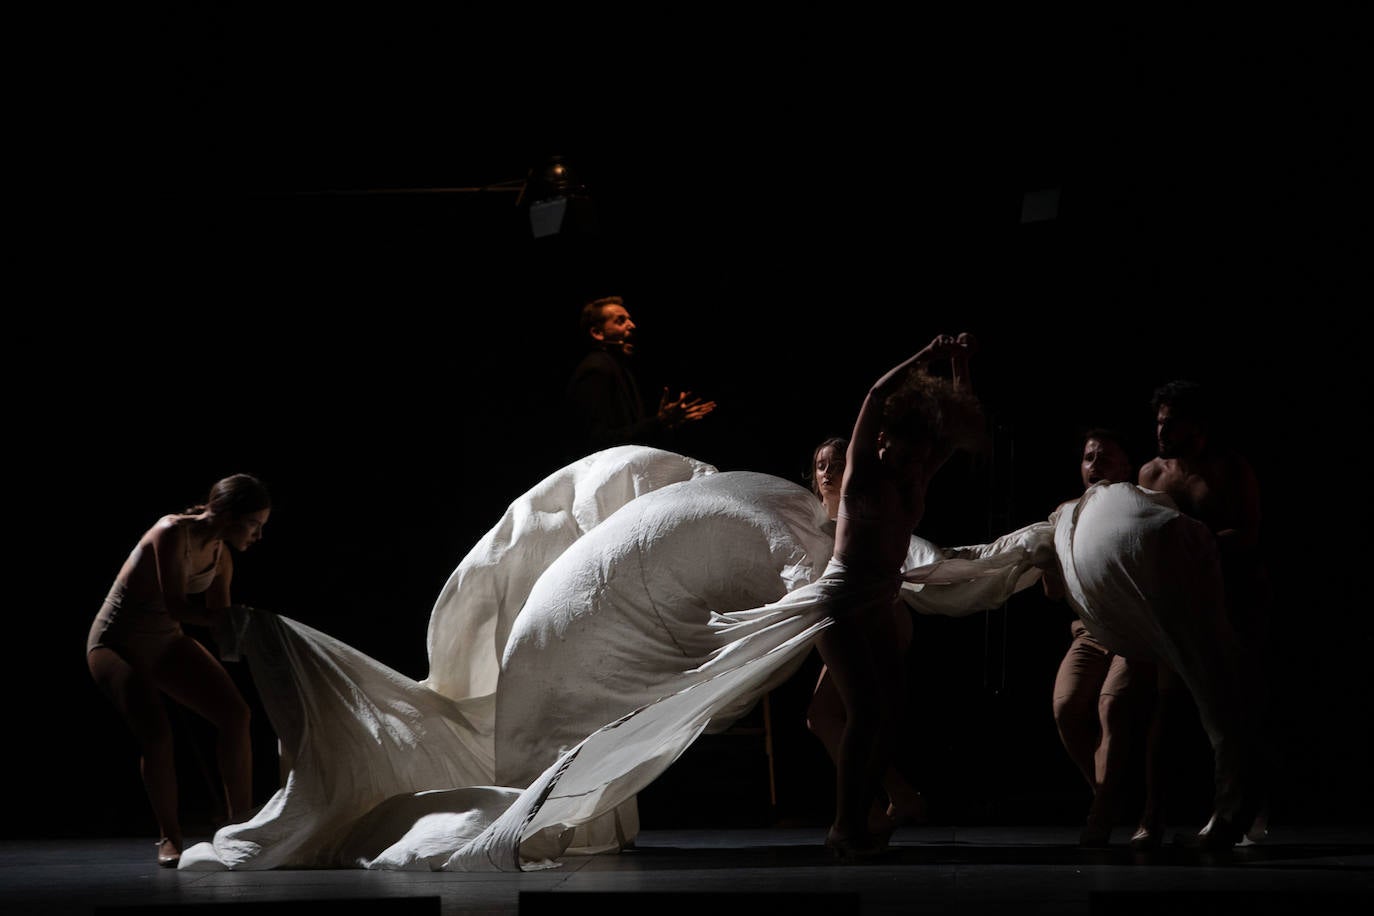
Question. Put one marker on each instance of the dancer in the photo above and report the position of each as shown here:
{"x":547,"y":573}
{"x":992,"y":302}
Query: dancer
{"x":1216,"y":485}
{"x":908,"y":426}
{"x":900,"y":801}
{"x":1100,"y":696}
{"x":136,"y":648}
{"x":826,"y":472}
{"x":671,"y":596}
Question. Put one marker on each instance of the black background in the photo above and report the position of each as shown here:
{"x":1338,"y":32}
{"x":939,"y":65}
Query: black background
{"x":790,"y":204}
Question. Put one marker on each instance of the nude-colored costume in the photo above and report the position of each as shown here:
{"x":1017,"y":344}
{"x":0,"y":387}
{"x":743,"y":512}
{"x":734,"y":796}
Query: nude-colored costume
{"x":139,"y":627}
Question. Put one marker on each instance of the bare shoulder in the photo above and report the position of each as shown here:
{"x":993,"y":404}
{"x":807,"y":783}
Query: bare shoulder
{"x":1151,"y":472}
{"x":171,"y":528}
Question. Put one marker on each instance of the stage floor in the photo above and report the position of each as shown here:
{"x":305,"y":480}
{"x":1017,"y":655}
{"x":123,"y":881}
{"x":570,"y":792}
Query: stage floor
{"x":1309,"y":871}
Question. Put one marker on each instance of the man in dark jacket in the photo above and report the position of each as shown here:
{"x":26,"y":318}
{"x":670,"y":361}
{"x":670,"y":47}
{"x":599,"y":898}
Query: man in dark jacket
{"x":605,"y":405}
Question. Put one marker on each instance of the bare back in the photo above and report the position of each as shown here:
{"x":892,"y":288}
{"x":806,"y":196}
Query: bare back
{"x":1218,"y":490}
{"x":883,"y":494}
{"x":875,"y":522}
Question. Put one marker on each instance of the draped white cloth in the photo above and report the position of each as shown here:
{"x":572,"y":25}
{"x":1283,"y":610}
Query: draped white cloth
{"x":622,"y":607}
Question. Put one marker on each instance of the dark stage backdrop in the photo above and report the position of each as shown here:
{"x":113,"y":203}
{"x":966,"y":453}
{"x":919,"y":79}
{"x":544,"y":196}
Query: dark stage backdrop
{"x":788,"y":211}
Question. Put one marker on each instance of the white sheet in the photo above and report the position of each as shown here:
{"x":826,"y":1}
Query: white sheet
{"x":622,"y":607}
{"x":635,"y":581}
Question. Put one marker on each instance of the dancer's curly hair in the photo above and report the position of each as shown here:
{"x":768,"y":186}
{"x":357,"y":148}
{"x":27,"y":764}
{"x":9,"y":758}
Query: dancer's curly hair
{"x":929,"y":407}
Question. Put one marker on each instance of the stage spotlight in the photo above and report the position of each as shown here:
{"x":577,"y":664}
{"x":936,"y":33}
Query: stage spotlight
{"x":559,"y":203}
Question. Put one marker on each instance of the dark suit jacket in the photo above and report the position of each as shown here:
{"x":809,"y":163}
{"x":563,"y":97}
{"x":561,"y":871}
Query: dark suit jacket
{"x":605,"y":406}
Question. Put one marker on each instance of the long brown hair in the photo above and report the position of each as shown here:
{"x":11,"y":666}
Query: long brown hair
{"x":235,"y":495}
{"x":840,"y":444}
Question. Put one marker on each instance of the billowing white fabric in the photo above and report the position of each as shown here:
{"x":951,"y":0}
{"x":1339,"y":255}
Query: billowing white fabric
{"x":1144,"y":577}
{"x":647,"y":604}
{"x":387,"y":772}
{"x":1146,"y":580}
{"x":624,"y":606}
{"x":477,"y":606}
{"x":958,"y":581}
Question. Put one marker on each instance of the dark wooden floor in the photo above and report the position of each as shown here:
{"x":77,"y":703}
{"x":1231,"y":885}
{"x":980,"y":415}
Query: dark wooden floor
{"x":1310,"y":871}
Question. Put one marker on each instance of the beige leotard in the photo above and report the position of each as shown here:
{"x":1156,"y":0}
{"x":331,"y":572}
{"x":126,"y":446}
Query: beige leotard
{"x":139,"y":627}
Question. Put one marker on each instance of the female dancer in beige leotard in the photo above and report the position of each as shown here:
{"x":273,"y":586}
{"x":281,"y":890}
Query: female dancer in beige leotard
{"x":136,"y":648}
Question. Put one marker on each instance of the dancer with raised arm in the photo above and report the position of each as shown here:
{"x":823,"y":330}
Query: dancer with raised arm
{"x":908,"y":426}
